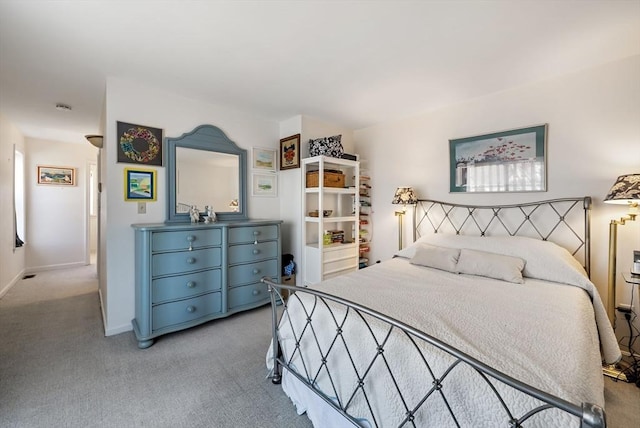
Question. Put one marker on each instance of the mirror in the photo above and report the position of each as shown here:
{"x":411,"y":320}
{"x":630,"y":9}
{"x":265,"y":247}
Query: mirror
{"x":205,"y":168}
{"x":192,"y":165}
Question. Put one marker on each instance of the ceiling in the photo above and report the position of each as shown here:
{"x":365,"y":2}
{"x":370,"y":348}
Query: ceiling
{"x":353,"y":63}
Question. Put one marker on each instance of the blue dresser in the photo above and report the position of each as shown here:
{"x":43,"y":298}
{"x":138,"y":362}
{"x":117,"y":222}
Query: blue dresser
{"x":188,"y":274}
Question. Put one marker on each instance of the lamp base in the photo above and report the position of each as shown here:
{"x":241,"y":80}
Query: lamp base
{"x":613,"y":371}
{"x":399,"y":214}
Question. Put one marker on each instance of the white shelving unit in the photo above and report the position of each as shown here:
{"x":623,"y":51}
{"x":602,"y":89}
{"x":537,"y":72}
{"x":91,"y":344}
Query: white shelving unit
{"x":325,"y":259}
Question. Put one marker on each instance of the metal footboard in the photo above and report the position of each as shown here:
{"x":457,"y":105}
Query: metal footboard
{"x":341,"y":310}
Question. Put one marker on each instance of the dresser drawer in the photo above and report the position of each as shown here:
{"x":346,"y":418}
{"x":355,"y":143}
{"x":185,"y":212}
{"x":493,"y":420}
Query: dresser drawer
{"x":180,"y":240}
{"x":179,"y":287}
{"x":252,"y":272}
{"x":252,"y":234}
{"x":247,"y":294}
{"x":252,"y":252}
{"x":185,"y":261}
{"x":172,"y":313}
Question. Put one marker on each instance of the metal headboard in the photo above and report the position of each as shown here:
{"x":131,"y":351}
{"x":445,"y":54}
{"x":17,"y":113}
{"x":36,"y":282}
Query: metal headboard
{"x":564,"y":221}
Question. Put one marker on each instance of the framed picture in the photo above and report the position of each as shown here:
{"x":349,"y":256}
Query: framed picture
{"x":263,"y":159}
{"x":139,"y":184}
{"x":139,"y":144}
{"x":56,"y":175}
{"x":290,"y":152}
{"x":265,"y":185}
{"x":507,"y":161}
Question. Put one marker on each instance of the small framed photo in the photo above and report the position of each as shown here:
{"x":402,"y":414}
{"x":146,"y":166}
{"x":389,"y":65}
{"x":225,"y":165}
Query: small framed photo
{"x":56,"y":175}
{"x":290,"y":152}
{"x":264,"y":159}
{"x":264,"y":185}
{"x":139,"y":184}
{"x":506,"y":161}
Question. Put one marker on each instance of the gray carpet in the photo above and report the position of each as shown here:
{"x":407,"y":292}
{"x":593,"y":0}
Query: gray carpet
{"x":58,"y":370}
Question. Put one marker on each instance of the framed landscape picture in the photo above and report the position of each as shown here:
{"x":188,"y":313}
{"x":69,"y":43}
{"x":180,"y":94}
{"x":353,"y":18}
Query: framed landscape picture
{"x":506,"y":161}
{"x":139,"y":184}
{"x":264,"y":159}
{"x":56,"y":175}
{"x":265,"y":185}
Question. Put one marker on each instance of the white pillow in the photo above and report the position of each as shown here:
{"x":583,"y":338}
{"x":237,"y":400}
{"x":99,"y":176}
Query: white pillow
{"x":436,"y":257}
{"x":491,"y":265}
{"x":543,"y":259}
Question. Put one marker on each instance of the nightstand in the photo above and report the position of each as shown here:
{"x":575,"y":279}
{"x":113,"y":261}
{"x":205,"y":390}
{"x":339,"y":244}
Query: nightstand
{"x":631,"y":278}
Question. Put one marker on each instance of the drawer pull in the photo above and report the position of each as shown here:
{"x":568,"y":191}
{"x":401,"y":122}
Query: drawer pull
{"x":256,"y":251}
{"x":191,"y":260}
{"x":255,"y":292}
{"x":256,"y":271}
{"x":191,"y":284}
{"x":256,"y":232}
{"x":191,"y":309}
{"x":190,"y":239}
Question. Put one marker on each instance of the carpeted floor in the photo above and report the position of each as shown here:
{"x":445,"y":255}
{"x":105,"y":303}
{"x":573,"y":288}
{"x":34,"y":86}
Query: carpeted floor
{"x":58,"y":370}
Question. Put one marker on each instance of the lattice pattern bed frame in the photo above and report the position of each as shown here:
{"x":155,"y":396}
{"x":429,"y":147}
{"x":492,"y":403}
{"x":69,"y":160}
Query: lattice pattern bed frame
{"x":434,"y":216}
{"x":565,"y":221}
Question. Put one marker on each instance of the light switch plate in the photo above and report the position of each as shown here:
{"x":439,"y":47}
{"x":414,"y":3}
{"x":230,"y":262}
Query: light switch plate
{"x":142,"y":207}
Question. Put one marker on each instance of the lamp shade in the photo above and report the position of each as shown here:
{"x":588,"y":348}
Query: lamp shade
{"x":626,"y":190}
{"x":405,"y":196}
{"x":95,"y":140}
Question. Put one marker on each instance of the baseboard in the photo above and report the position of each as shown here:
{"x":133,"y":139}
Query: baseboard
{"x":628,"y":354}
{"x":13,"y":282}
{"x":54,"y":267}
{"x":111,"y":331}
{"x":118,"y":330}
{"x":104,"y":318}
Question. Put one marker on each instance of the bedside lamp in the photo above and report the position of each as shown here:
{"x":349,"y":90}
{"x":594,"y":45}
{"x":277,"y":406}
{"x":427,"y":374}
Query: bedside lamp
{"x":625,"y":191}
{"x":404,"y":196}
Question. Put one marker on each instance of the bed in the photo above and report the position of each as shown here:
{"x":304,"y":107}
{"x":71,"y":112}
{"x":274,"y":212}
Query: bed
{"x":487,"y":319}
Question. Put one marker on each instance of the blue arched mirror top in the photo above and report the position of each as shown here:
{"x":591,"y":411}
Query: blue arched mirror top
{"x":204,"y":167}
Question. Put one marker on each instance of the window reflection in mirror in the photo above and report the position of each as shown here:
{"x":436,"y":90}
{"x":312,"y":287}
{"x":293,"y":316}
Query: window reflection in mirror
{"x":206,"y":178}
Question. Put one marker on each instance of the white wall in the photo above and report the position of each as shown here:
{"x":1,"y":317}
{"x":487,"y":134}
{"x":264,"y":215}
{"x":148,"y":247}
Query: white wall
{"x":176,"y":115}
{"x":57,"y":215}
{"x":593,"y":136}
{"x":12,"y":263}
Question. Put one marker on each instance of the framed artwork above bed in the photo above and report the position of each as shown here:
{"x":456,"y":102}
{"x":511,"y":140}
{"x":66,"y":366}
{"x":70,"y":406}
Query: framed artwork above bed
{"x":506,"y":161}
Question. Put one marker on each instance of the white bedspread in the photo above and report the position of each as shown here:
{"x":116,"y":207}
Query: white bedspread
{"x":541,"y":333}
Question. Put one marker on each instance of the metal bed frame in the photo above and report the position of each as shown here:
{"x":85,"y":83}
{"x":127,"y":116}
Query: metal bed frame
{"x":565,"y":221}
{"x":439,"y":217}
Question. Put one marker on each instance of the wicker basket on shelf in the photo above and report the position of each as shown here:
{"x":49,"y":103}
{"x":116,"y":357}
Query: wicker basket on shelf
{"x":331,"y":178}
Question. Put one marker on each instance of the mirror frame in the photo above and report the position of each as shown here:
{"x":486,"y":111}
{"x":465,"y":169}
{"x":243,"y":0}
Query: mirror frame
{"x":209,"y":138}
